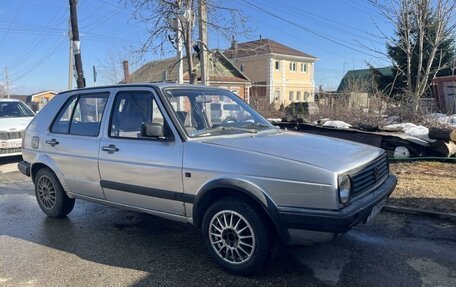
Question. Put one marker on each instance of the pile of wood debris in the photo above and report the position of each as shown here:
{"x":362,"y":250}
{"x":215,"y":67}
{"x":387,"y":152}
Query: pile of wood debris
{"x":399,"y":140}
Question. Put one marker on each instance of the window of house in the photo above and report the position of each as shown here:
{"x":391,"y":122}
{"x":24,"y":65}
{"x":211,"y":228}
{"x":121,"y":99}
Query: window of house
{"x":130,"y":111}
{"x":293,"y":66}
{"x":303,"y":68}
{"x":277,"y":94}
{"x":81,"y":115}
{"x":291,"y":95}
{"x":306,"y":96}
{"x":298,"y":96}
{"x":277,"y":65}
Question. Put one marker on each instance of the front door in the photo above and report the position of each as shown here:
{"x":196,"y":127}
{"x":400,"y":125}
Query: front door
{"x":140,"y":171}
{"x":73,"y":142}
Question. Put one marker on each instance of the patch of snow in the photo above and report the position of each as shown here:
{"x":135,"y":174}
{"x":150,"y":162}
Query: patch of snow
{"x":452,"y":121}
{"x":337,"y":124}
{"x":321,"y":121}
{"x":443,"y":119}
{"x":411,"y":130}
{"x":391,"y":120}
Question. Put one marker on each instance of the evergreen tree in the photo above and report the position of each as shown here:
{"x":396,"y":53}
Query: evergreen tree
{"x":444,"y":56}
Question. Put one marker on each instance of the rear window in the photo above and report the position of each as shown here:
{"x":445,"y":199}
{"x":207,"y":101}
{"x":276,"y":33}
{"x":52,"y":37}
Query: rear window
{"x":81,"y":115}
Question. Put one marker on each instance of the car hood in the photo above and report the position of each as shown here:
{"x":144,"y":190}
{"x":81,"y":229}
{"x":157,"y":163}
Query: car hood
{"x":14,"y":124}
{"x":332,"y":154}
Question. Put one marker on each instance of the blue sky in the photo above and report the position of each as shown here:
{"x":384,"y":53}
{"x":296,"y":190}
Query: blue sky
{"x":34,"y":41}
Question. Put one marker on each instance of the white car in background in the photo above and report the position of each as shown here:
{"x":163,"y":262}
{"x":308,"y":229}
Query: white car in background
{"x":14,"y":118}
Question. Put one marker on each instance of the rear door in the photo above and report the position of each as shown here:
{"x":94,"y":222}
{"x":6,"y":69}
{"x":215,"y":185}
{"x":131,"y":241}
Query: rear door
{"x":73,"y":142}
{"x":138,"y":171}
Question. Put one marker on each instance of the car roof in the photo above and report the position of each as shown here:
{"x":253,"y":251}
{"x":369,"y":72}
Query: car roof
{"x":9,"y":100}
{"x":159,"y":85}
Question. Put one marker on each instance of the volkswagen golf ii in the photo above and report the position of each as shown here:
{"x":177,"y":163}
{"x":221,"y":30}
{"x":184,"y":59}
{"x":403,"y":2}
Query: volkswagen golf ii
{"x":162,"y":149}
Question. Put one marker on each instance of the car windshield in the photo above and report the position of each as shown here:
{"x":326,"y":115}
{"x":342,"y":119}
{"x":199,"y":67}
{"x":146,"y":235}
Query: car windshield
{"x":207,"y":112}
{"x":14,"y":110}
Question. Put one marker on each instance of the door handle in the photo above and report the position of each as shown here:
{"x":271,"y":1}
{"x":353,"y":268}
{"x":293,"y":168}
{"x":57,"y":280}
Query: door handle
{"x":110,"y":148}
{"x":52,"y":142}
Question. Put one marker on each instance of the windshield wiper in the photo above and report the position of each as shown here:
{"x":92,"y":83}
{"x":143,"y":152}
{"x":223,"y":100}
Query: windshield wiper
{"x":257,"y":126}
{"x":221,"y":129}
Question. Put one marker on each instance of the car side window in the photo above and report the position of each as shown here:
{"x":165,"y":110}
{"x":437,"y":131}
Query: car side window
{"x":61,"y":124}
{"x":130,"y":111}
{"x":81,"y":115}
{"x":87,"y":115}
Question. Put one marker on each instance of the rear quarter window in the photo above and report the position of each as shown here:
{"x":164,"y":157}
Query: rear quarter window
{"x":81,"y":115}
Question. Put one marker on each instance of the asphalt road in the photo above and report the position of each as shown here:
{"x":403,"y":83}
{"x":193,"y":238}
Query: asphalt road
{"x":103,"y":246}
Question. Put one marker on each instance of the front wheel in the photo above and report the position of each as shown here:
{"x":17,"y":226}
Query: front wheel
{"x":50,"y":195}
{"x":236,"y":236}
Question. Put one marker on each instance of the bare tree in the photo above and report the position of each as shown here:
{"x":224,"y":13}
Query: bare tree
{"x":164,"y":18}
{"x":110,"y":68}
{"x":453,"y":67}
{"x":422,"y":26}
{"x":2,"y":91}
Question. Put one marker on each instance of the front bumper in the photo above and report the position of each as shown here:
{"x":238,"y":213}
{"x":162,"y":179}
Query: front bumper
{"x":24,"y":167}
{"x":336,"y":221}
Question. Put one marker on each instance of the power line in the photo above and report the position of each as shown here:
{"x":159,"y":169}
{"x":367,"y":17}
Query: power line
{"x":7,"y":36}
{"x":39,"y":41}
{"x":41,"y":61}
{"x":294,"y":36}
{"x":323,"y":22}
{"x":306,"y":29}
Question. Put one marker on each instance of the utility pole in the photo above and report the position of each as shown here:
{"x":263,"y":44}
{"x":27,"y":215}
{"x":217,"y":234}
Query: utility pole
{"x":70,"y":59}
{"x":76,"y":44}
{"x":7,"y":82}
{"x":202,"y":11}
{"x":179,"y":55}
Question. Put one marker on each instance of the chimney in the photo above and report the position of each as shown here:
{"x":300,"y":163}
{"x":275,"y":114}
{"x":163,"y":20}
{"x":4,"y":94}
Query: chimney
{"x":234,"y":46}
{"x":126,"y":72}
{"x":165,"y":76}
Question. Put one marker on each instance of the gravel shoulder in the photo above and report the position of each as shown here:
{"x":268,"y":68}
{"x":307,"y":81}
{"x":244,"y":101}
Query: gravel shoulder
{"x":430,"y":186}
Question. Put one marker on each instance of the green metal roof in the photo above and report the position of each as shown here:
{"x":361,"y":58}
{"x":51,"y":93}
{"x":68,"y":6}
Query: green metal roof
{"x":363,"y":75}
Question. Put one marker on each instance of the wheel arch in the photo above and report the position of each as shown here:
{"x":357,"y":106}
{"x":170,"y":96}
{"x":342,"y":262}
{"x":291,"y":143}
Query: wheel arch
{"x":47,"y":162}
{"x":221,"y":188}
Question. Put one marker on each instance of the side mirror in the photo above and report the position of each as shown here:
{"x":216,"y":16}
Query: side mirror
{"x":156,"y":130}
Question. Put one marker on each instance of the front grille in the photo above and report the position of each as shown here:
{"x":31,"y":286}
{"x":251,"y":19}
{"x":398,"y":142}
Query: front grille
{"x":10,"y":150}
{"x":11,"y":135}
{"x":369,"y":176}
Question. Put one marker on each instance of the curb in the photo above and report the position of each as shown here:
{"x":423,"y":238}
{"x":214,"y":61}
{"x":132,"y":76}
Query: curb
{"x":416,"y":211}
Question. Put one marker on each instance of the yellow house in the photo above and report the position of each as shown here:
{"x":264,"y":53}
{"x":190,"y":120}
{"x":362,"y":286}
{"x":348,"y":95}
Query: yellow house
{"x":39,"y":100}
{"x":36,"y":101}
{"x":279,"y":73}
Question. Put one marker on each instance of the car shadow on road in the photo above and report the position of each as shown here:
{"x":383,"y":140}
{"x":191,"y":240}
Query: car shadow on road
{"x":171,"y":253}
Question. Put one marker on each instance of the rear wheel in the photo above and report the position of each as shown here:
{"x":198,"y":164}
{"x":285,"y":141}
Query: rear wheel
{"x":236,"y":236}
{"x":50,"y":195}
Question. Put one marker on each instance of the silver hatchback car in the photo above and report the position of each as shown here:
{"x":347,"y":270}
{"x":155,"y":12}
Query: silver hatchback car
{"x":161,"y":149}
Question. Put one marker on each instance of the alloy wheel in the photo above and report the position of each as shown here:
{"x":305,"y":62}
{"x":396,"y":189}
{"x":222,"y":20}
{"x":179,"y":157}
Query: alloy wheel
{"x":232,"y":237}
{"x":46,"y":192}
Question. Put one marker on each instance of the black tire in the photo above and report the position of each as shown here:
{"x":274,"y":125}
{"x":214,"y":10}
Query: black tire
{"x":52,"y":200}
{"x":261,"y":234}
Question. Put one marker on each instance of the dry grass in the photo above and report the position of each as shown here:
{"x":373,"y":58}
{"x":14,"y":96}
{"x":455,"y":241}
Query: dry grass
{"x":425,"y":185}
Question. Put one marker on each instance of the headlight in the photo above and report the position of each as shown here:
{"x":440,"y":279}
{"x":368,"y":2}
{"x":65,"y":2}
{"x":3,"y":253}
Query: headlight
{"x":344,"y":188}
